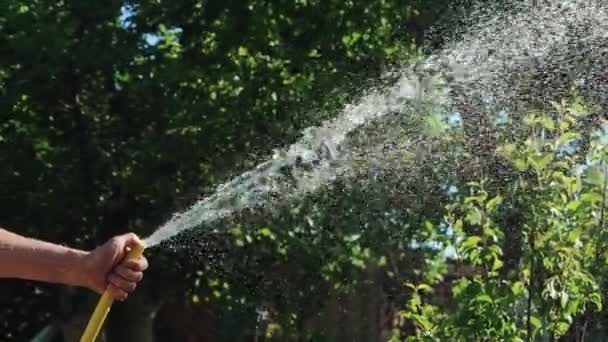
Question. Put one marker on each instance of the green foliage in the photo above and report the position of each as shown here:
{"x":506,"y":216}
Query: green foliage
{"x":557,"y":279}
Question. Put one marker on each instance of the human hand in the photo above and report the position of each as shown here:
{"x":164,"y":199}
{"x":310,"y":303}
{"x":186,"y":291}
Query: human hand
{"x":107,"y":268}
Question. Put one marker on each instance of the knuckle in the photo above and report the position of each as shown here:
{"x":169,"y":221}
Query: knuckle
{"x":136,"y":265}
{"x":131,"y":276}
{"x":126,"y":272}
{"x":133,"y":263}
{"x":142,"y":265}
{"x":132,"y":287}
{"x":115,"y":242}
{"x":112,"y":278}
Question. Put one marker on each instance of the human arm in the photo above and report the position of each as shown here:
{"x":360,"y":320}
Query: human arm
{"x":104,"y":267}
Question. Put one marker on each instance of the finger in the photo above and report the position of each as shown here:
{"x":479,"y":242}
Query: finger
{"x":131,"y":239}
{"x":121,"y":283}
{"x":117,"y":293}
{"x":118,"y":245}
{"x":126,"y":240}
{"x":139,"y":265}
{"x":130,"y":274}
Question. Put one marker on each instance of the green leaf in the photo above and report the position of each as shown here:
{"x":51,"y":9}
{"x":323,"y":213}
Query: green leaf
{"x":243,"y":52}
{"x":474,"y":216}
{"x":352,"y":237}
{"x":594,"y":175}
{"x":562,"y":327}
{"x":575,"y":234}
{"x":496,"y":250}
{"x":479,"y":198}
{"x":411,"y":286}
{"x":507,"y":150}
{"x":530,"y":119}
{"x":471,"y":242}
{"x":22,"y":9}
{"x":484,"y":298}
{"x":573,"y":205}
{"x":573,"y":306}
{"x":577,"y":108}
{"x":435,"y":125}
{"x":564,"y":299}
{"x":424,"y":322}
{"x":596,"y":299}
{"x":497,"y":264}
{"x":541,"y":160}
{"x":592,"y":197}
{"x":357,"y":262}
{"x":494,"y":203}
{"x":549,"y":263}
{"x":563,"y":165}
{"x":535,"y":322}
{"x":518,"y":288}
{"x":425,"y":288}
{"x":548,"y":123}
{"x":558,"y":106}
{"x":520,"y":165}
{"x":314,"y":53}
{"x":266,"y":232}
{"x":382,"y":261}
{"x":567,"y":137}
{"x":458,"y":226}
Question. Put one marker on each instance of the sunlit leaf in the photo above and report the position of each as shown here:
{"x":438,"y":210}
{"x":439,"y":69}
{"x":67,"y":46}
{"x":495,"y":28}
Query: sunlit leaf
{"x":548,"y":123}
{"x":564,"y":299}
{"x":520,"y":165}
{"x":494,"y":203}
{"x":518,"y":288}
{"x":540,"y":161}
{"x":562,"y":327}
{"x":497,"y":264}
{"x":536,"y":323}
{"x":567,"y":137}
{"x":592,"y":197}
{"x":425,"y":288}
{"x":484,"y":298}
{"x":573,"y":205}
{"x":471,"y":242}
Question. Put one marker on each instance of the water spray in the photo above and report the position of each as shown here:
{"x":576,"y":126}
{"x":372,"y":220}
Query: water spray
{"x":105,"y":303}
{"x":484,"y":70}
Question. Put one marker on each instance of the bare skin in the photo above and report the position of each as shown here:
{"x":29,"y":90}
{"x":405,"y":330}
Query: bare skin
{"x":102,"y":268}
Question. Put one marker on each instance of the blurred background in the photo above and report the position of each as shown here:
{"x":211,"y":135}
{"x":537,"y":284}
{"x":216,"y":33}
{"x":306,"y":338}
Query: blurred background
{"x":116,"y":114}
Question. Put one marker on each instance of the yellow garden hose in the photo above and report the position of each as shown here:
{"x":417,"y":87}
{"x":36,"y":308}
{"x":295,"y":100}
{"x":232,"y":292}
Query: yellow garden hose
{"x":105,"y":303}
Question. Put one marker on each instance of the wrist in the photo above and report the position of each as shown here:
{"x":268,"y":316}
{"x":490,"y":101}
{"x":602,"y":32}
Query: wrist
{"x":77,"y":272}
